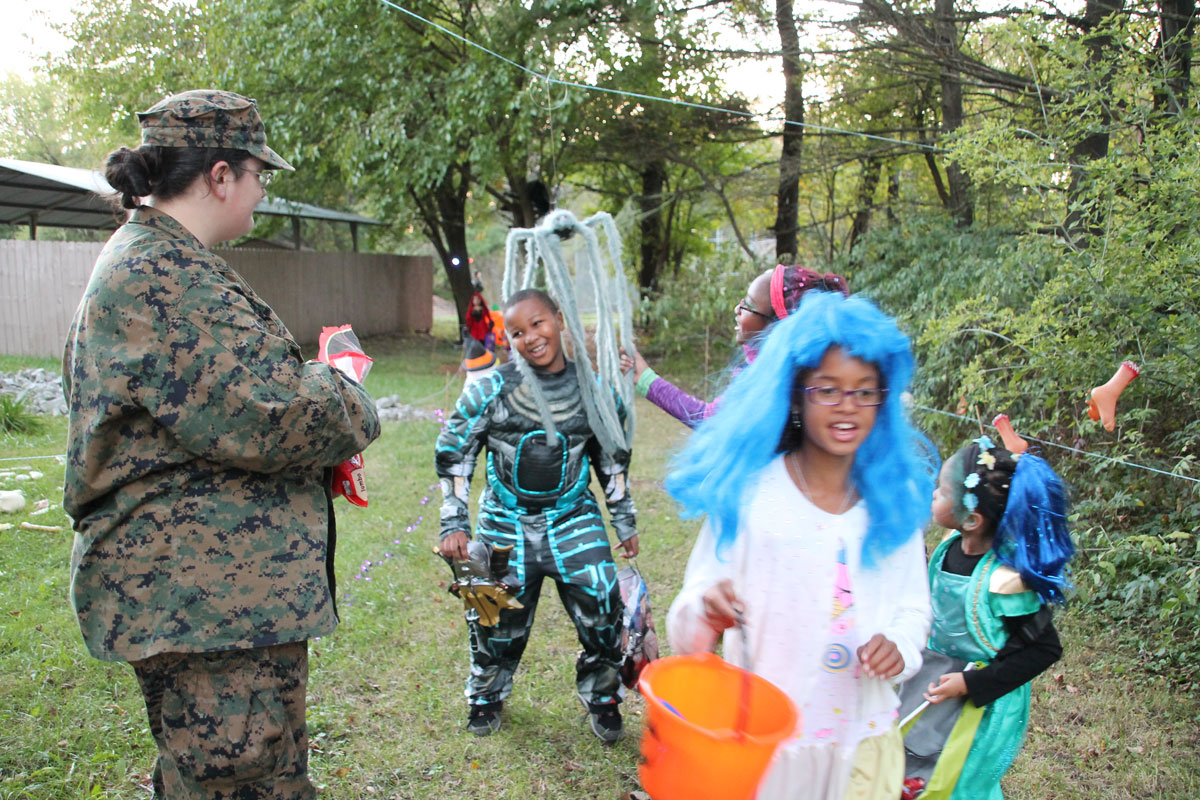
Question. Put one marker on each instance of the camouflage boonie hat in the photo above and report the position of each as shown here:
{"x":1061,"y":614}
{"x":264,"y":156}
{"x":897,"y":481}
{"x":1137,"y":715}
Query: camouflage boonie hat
{"x":209,"y":118}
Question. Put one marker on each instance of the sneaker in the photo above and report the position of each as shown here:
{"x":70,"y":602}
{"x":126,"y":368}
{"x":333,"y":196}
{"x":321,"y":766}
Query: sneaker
{"x":605,"y":719}
{"x":484,"y":719}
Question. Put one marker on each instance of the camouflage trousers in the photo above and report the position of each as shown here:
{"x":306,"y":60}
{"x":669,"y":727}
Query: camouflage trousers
{"x":569,"y":546}
{"x":229,"y":725}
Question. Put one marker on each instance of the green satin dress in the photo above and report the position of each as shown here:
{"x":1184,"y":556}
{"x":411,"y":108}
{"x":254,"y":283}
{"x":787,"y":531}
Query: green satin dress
{"x":969,"y":625}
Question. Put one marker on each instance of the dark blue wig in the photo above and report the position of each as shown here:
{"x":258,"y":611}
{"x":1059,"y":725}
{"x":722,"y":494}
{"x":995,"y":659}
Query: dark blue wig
{"x":722,"y":460}
{"x":1033,"y":537}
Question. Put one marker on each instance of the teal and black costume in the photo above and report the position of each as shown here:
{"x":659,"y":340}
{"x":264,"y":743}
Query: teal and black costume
{"x":537,"y":500}
{"x":989,"y":617}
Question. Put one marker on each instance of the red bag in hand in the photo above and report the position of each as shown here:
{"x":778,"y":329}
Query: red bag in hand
{"x":339,"y":348}
{"x":350,"y":482}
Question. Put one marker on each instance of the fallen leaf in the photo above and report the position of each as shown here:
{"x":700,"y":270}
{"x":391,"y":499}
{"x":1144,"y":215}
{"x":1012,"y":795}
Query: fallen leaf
{"x":341,"y":772}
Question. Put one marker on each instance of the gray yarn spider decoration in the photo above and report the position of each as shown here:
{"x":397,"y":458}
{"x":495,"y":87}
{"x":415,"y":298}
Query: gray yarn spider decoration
{"x":602,"y":385}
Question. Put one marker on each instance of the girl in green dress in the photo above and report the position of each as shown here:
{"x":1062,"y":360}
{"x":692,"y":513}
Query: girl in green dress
{"x":992,"y":582}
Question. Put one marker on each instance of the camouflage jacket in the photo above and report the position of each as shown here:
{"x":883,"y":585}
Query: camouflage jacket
{"x":523,"y":474}
{"x":197,"y":454}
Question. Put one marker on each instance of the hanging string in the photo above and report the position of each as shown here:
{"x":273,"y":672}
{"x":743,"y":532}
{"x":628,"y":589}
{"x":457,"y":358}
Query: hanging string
{"x":671,"y":101}
{"x":705,"y":107}
{"x":1066,"y":447}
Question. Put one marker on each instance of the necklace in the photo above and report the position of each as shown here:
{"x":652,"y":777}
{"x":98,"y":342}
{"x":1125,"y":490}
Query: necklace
{"x":797,"y":472}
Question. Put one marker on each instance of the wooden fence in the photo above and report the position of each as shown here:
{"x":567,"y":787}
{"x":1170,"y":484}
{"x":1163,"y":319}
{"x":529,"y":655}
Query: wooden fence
{"x":42,"y":282}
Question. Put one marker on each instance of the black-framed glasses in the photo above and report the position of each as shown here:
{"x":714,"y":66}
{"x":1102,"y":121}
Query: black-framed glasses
{"x":264,"y":176}
{"x":832,"y":396}
{"x":745,"y":306}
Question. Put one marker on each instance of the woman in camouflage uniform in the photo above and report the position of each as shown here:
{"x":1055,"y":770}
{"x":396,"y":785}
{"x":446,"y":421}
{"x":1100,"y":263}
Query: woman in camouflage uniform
{"x":199,"y":449}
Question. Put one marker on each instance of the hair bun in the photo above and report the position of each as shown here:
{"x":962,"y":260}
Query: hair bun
{"x":129,"y":172}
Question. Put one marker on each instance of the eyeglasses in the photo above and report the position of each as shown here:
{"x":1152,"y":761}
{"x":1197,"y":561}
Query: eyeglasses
{"x":833,"y":396}
{"x":264,"y":176}
{"x":745,"y":306}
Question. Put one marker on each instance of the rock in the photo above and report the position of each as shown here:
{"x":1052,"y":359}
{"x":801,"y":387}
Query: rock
{"x":390,"y":408}
{"x":12,"y":501}
{"x":41,"y":390}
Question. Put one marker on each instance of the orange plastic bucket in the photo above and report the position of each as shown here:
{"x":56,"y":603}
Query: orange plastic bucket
{"x":691,"y":748}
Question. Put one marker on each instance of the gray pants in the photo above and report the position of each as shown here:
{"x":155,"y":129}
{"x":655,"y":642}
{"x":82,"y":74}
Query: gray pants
{"x":571,"y":548}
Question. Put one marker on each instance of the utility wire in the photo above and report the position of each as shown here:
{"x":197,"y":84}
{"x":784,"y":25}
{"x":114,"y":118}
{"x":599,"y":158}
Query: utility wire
{"x":971,"y":420}
{"x":654,"y":98}
{"x":704,"y":107}
{"x":974,"y":421}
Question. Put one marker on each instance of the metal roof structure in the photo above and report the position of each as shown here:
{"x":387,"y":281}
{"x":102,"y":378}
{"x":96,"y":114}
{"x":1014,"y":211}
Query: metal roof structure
{"x":37,"y":194}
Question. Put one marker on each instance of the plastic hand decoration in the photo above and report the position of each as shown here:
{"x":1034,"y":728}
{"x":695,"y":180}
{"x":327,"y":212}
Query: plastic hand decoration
{"x":484,"y":581}
{"x":1102,"y":404}
{"x":1012,"y":443}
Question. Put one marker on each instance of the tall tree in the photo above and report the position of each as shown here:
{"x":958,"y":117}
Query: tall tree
{"x":1177,"y":29}
{"x":1082,"y":219}
{"x":408,"y":117}
{"x":660,"y":155}
{"x":962,"y":208}
{"x":787,"y":207}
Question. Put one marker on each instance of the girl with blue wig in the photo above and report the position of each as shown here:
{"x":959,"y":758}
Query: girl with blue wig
{"x":810,"y":561}
{"x":993,"y":580}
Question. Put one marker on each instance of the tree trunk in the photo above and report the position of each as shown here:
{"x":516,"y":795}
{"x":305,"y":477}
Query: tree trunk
{"x":893,"y":193}
{"x":522,"y":209}
{"x":1177,"y":27}
{"x":444,"y":217}
{"x":923,"y":137}
{"x":867,"y":183}
{"x":787,"y":209}
{"x":650,"y":203}
{"x":962,"y":207}
{"x":1082,"y":220}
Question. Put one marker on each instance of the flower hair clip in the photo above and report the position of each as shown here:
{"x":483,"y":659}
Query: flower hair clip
{"x":985,"y":458}
{"x":969,"y":499}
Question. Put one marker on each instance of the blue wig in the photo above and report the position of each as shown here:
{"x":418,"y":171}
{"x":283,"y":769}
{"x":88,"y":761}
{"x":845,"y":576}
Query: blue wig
{"x":1024,"y":501}
{"x":1033,"y":537}
{"x":723,"y":458}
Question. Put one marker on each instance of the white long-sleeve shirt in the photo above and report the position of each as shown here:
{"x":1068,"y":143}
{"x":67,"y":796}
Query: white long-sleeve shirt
{"x":782,"y":565}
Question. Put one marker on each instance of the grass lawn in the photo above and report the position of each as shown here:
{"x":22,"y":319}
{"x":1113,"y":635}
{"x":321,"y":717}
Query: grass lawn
{"x":386,"y":710}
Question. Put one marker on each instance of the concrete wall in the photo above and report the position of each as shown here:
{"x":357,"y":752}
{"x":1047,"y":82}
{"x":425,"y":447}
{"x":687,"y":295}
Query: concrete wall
{"x":41,"y":284}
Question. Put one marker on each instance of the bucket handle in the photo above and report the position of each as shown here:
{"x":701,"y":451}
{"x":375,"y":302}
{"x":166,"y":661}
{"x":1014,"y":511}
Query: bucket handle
{"x":747,"y":686}
{"x":652,"y":747}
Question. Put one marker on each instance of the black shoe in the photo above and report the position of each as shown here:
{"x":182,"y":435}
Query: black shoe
{"x":484,"y":719}
{"x":605,"y":719}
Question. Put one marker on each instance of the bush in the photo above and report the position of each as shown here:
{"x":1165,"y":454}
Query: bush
{"x":1017,"y":323}
{"x":690,"y":321}
{"x":15,"y":416}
